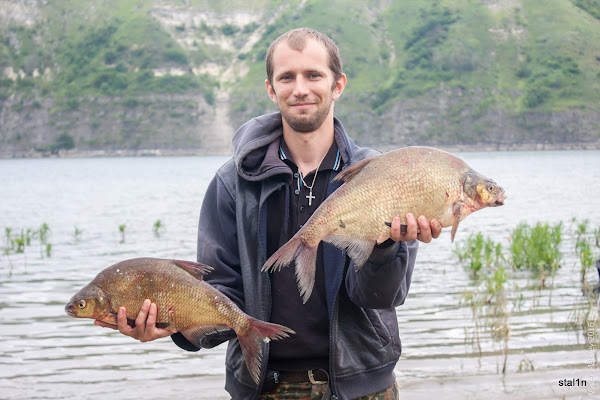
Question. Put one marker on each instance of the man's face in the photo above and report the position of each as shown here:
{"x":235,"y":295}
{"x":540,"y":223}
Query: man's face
{"x":303,"y":85}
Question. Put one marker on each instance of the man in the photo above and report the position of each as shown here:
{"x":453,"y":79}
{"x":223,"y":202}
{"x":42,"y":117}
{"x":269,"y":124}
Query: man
{"x":346,"y":343}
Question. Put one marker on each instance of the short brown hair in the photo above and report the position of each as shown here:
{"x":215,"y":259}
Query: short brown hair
{"x":297,"y":39}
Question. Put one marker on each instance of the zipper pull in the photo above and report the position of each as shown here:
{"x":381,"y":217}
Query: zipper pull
{"x":276,"y":377}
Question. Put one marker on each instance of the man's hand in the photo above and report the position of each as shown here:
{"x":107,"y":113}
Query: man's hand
{"x":415,"y":229}
{"x":145,"y":324}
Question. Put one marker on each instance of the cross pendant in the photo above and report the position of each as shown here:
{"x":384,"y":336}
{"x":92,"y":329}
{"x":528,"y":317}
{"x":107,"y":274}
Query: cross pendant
{"x":310,"y":198}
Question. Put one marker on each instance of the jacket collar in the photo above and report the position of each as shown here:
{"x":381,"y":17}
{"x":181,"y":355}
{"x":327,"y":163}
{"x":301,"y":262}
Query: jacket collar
{"x":256,"y":147}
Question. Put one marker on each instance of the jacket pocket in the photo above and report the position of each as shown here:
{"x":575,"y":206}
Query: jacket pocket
{"x":376,"y":320}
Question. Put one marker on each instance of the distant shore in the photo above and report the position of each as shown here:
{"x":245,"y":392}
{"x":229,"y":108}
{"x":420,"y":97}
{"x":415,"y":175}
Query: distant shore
{"x":78,"y":153}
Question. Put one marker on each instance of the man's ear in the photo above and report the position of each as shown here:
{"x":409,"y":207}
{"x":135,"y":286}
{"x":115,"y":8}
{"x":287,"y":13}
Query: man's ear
{"x":271,"y":91}
{"x":338,"y":89}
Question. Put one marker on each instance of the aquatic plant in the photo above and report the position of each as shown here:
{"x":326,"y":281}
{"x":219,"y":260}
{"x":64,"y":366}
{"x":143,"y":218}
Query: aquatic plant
{"x":122,"y":232}
{"x":584,"y":251}
{"x":526,"y":365}
{"x":7,"y":232}
{"x":157,"y":227}
{"x":77,"y":233}
{"x":22,"y":240}
{"x":488,"y":302}
{"x":499,"y":313}
{"x":537,"y":248}
{"x":43,"y":233}
{"x":477,"y":252}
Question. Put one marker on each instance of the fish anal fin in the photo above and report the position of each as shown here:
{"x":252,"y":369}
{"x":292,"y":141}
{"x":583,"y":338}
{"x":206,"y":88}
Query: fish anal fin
{"x":456,"y":213}
{"x":359,"y":249}
{"x":194,"y":335}
{"x":349,"y":172}
{"x":195,"y":269}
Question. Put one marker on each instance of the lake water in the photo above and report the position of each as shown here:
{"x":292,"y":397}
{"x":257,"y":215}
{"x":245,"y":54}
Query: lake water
{"x":44,"y":354}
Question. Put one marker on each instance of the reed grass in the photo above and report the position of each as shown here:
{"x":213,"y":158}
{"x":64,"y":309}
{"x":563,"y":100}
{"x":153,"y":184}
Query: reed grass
{"x":536,"y":248}
{"x":478,"y":252}
{"x":488,"y":301}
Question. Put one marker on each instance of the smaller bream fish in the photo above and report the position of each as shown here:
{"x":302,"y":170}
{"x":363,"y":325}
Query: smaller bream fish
{"x":418,"y":180}
{"x":185,"y":302}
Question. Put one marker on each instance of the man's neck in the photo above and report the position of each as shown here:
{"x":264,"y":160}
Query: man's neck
{"x":309,"y":148}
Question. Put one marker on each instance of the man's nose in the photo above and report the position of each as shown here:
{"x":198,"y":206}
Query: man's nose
{"x":300,"y":87}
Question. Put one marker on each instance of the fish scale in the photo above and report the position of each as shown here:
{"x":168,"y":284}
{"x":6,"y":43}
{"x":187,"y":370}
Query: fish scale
{"x":418,"y":180}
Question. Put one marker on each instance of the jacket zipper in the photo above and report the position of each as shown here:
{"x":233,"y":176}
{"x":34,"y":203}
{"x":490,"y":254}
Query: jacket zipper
{"x":332,"y":334}
{"x":263,"y":249}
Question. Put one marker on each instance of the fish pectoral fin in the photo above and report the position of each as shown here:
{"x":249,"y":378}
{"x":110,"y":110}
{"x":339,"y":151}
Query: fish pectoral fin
{"x":359,"y":249}
{"x":350,"y":172}
{"x":195,"y":269}
{"x":110,"y":318}
{"x":456,"y":213}
{"x":196,"y":334}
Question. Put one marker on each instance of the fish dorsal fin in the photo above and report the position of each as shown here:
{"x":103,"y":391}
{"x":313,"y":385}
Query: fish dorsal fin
{"x":196,"y":334}
{"x":349,"y":172}
{"x":195,"y":269}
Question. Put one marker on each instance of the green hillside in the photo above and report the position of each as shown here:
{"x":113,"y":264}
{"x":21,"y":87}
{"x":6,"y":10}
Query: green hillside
{"x":184,"y":74}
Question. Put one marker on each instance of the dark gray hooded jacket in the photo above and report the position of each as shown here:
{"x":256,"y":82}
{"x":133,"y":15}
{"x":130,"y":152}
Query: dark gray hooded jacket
{"x":364,"y":342}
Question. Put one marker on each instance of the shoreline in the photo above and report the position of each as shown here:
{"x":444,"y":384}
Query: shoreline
{"x":78,"y":153}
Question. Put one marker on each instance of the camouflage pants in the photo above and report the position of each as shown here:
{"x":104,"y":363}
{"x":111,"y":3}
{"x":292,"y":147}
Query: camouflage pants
{"x":308,"y":391}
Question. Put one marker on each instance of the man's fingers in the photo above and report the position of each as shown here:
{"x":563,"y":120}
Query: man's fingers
{"x":411,"y":227}
{"x":140,"y":320}
{"x":436,"y":228}
{"x":150,"y":325}
{"x":424,"y":230}
{"x":124,"y":328}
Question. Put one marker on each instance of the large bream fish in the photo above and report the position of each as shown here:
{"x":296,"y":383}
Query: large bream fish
{"x":419,"y":180}
{"x":185,"y":302}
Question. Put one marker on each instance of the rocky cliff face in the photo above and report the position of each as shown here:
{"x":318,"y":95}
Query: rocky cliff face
{"x":183,"y":124}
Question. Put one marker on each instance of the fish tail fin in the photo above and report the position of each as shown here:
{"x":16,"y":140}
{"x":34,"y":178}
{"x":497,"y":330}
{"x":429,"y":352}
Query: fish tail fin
{"x":251,"y":343}
{"x":305,"y":258}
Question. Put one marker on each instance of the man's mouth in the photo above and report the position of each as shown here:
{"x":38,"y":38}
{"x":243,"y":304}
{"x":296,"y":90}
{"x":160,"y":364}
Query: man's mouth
{"x":302,"y":105}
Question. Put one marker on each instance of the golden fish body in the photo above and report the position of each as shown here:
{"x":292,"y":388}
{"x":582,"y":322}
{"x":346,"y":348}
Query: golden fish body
{"x":418,"y":180}
{"x":185,"y":303}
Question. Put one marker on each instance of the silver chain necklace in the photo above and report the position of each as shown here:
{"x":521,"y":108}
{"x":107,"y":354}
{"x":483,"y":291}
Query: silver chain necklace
{"x":310,"y":196}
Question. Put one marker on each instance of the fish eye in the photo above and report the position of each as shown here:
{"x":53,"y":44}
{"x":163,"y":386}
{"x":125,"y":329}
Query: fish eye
{"x":81,"y":304}
{"x":491,"y":188}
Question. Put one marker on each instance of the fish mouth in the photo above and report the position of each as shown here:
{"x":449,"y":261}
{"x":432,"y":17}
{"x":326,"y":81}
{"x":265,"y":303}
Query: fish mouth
{"x":500,"y":200}
{"x":69,"y":309}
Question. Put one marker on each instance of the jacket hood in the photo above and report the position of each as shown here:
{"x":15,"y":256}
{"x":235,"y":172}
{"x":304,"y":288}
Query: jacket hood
{"x":256,"y":145}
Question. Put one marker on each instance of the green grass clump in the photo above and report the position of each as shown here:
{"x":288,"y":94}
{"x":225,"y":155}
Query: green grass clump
{"x":536,"y":248}
{"x":477,"y":252}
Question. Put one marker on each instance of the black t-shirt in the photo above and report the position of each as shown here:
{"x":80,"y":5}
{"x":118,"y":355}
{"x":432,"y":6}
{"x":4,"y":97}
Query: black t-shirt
{"x":309,"y":347}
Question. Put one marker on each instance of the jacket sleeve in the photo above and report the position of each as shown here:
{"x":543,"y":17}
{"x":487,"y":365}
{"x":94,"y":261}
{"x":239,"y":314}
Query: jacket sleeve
{"x":217,"y":247}
{"x":384,"y":280}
